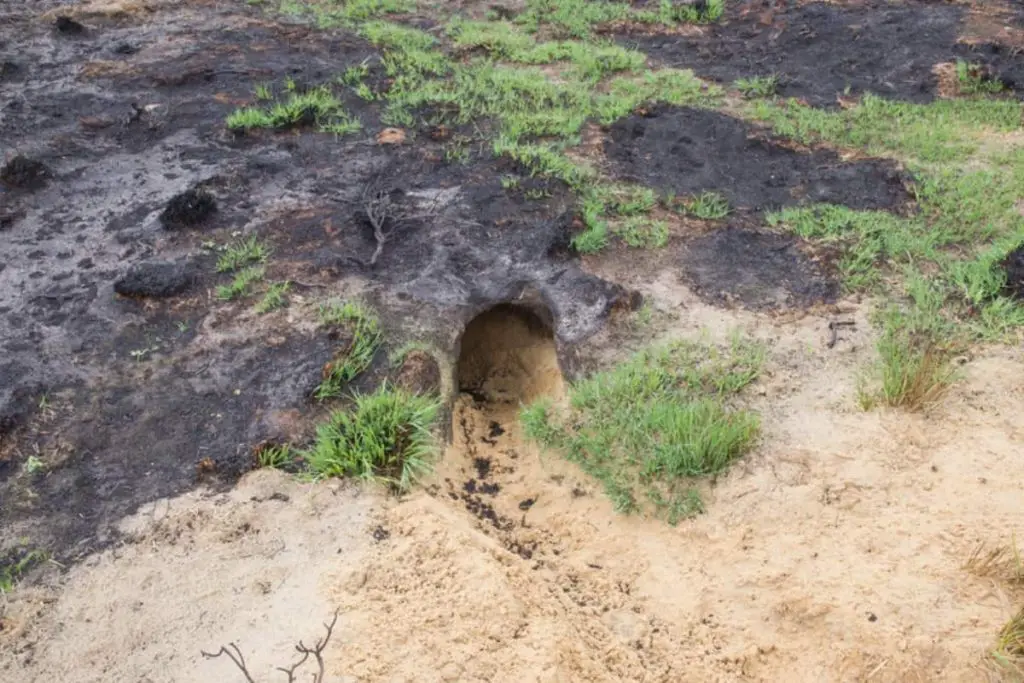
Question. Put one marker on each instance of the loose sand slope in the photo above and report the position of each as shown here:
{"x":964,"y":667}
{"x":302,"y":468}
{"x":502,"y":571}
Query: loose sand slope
{"x":832,"y":554}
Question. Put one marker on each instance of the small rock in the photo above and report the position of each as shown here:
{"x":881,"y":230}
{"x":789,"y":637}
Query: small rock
{"x":24,"y":173}
{"x":155,"y":279}
{"x":188,"y":209}
{"x":124,"y":49}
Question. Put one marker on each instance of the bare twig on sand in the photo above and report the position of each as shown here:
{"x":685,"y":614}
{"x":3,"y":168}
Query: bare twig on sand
{"x":235,"y":655}
{"x":237,"y":658}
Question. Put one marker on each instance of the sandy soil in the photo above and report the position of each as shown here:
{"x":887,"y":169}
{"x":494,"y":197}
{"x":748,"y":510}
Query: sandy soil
{"x":834,"y":553}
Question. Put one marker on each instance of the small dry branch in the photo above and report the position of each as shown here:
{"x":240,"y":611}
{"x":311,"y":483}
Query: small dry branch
{"x":317,"y":652}
{"x":385,"y":216}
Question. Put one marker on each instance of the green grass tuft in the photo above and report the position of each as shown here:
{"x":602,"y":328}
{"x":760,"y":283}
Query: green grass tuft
{"x":317,"y":107}
{"x":365,"y":337}
{"x":17,"y":562}
{"x":385,"y":437}
{"x":972,"y":79}
{"x":241,"y":253}
{"x":646,"y":428}
{"x":274,"y":297}
{"x":757,"y":86}
{"x":275,"y":456}
{"x":241,"y":284}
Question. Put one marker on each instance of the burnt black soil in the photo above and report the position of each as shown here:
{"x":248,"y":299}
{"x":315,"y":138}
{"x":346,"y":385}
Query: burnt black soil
{"x":154,"y":390}
{"x":820,"y":51}
{"x":687,"y":151}
{"x":756,"y":269}
{"x":1013,"y":265}
{"x":25,"y":173}
{"x":189,"y":209}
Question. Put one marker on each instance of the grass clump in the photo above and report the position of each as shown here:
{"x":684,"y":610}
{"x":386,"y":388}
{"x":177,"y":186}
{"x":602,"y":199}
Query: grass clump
{"x":708,"y":206}
{"x":275,"y":456}
{"x":242,"y":253}
{"x":241,"y":284}
{"x":365,"y":336}
{"x":642,"y":232}
{"x":943,"y":131}
{"x":316,"y":107}
{"x":385,"y":437}
{"x":332,"y":14}
{"x":1002,"y":562}
{"x":757,"y":86}
{"x":646,"y":428}
{"x":1011,"y":638}
{"x":274,"y":297}
{"x":973,"y":79}
{"x":16,"y":563}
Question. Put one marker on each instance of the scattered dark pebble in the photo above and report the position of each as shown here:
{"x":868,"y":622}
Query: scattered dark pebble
{"x":523,"y":551}
{"x":1013,"y":264}
{"x":496,"y":430}
{"x":86,"y":263}
{"x":155,"y":279}
{"x":381,"y":534}
{"x":188,"y":209}
{"x":24,"y":173}
{"x":483,"y":467}
{"x":69,"y":26}
{"x":525,"y":505}
{"x":872,"y":617}
{"x":277,"y":495}
{"x":490,"y":489}
{"x":125,"y":49}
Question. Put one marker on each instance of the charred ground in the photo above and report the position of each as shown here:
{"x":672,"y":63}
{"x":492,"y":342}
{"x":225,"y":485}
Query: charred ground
{"x":130,"y":375}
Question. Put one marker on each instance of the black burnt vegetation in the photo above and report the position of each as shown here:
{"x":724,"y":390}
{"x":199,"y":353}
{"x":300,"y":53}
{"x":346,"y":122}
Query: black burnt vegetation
{"x":24,"y":173}
{"x":189,"y":209}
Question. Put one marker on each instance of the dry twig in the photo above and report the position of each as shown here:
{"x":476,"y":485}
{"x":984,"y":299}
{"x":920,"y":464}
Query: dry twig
{"x":316,"y":651}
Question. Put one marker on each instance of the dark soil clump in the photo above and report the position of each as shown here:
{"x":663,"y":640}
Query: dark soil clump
{"x":24,"y":173}
{"x":155,"y":279}
{"x":419,"y":373}
{"x":755,"y":269}
{"x":189,"y":209}
{"x":687,"y":151}
{"x":820,"y":51}
{"x":68,"y":26}
{"x":1013,"y":264}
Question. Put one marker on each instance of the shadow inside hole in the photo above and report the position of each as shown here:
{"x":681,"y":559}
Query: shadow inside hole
{"x":508,"y":355}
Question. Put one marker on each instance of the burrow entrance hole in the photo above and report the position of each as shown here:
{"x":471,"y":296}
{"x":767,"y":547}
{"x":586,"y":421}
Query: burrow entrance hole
{"x":508,"y":357}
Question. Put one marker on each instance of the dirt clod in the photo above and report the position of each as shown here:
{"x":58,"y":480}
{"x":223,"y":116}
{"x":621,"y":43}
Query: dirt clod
{"x":687,"y":151}
{"x":419,"y":373}
{"x":155,"y":279}
{"x":189,"y":209}
{"x":1013,"y":264}
{"x":24,"y":173}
